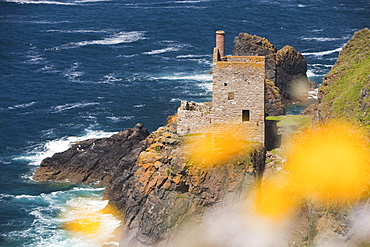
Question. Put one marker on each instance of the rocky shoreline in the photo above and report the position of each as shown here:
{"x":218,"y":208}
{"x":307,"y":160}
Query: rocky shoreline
{"x":148,"y":178}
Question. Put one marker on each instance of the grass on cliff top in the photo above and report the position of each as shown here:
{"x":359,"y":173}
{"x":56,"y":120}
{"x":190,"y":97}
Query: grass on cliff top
{"x":292,"y":120}
{"x":349,"y":75}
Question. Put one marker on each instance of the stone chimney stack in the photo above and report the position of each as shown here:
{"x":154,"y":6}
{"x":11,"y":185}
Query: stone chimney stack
{"x":220,"y":42}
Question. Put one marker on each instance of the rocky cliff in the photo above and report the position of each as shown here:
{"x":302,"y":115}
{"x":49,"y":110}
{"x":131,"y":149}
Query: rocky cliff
{"x":285,"y":69}
{"x":151,"y":180}
{"x":345,"y":90}
{"x":95,"y":160}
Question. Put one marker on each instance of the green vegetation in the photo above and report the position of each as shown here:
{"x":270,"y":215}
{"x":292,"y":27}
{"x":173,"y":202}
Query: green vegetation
{"x":169,"y":171}
{"x":291,"y":120}
{"x":180,"y":196}
{"x":341,"y":90}
{"x":195,"y":134}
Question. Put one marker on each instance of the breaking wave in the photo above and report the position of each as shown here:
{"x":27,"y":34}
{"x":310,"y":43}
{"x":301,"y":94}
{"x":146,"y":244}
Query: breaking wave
{"x":48,"y":148}
{"x":21,"y":105}
{"x":65,"y":107}
{"x":322,"y":53}
{"x":118,"y":38}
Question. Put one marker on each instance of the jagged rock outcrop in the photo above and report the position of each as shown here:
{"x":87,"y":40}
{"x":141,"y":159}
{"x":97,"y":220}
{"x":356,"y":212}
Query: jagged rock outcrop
{"x":166,"y":190}
{"x":344,"y":92}
{"x":273,"y":100}
{"x":95,"y":160}
{"x":286,"y":67}
{"x":151,"y":180}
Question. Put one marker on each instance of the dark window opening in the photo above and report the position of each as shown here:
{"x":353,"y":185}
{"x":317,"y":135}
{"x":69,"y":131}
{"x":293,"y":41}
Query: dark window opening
{"x":245,"y":115}
{"x":230,"y":96}
{"x":225,"y":84}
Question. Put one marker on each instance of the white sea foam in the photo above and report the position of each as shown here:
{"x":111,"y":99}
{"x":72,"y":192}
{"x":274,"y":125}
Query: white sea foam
{"x":79,"y":207}
{"x":45,"y":229}
{"x":322,"y":53}
{"x":204,"y":79}
{"x":34,"y":58}
{"x":119,"y":119}
{"x":88,"y":189}
{"x":118,"y":38}
{"x":322,"y":65}
{"x":111,"y":78}
{"x":321,"y":39}
{"x":199,"y":77}
{"x":318,"y":70}
{"x":206,"y":86}
{"x":176,"y":100}
{"x":139,"y":106}
{"x":192,"y":56}
{"x":48,"y":148}
{"x":201,"y":59}
{"x":49,"y":69}
{"x":6,"y":196}
{"x":313,"y":93}
{"x":30,"y":197}
{"x":128,"y":56}
{"x":171,"y":47}
{"x":22,"y":105}
{"x":77,"y":31}
{"x":72,"y":73}
{"x":65,"y":107}
{"x":310,"y":73}
{"x":159,"y":51}
{"x":5,"y":162}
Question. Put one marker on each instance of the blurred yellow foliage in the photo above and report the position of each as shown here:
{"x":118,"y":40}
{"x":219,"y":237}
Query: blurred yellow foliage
{"x":276,"y":200}
{"x":217,"y":146}
{"x":329,"y":163}
{"x":88,"y":224}
{"x":91,"y":218}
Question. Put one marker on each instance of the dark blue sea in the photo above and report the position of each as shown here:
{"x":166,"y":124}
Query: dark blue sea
{"x":77,"y":69}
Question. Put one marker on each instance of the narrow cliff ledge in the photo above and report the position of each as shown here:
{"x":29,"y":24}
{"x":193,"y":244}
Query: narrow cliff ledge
{"x":150,"y":179}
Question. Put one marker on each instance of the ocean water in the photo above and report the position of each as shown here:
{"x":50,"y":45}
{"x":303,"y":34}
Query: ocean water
{"x":77,"y":69}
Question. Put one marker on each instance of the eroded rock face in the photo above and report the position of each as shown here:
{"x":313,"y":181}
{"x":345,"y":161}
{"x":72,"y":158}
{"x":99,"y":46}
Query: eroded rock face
{"x":286,"y":67}
{"x":95,"y":160}
{"x":164,"y":189}
{"x":151,"y":181}
{"x":273,"y":100}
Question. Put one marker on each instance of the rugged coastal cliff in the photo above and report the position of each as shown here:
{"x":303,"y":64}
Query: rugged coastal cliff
{"x":345,"y":90}
{"x":151,"y":180}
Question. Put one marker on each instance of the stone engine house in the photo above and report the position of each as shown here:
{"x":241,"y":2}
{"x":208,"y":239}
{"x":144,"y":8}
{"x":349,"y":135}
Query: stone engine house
{"x":238,"y":92}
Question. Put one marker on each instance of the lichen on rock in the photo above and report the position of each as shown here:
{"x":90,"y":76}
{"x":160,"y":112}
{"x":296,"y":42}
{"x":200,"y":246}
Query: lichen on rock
{"x":150,"y":179}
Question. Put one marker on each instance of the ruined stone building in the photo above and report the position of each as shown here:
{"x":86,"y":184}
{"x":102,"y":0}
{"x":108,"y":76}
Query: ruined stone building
{"x":237,"y":97}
